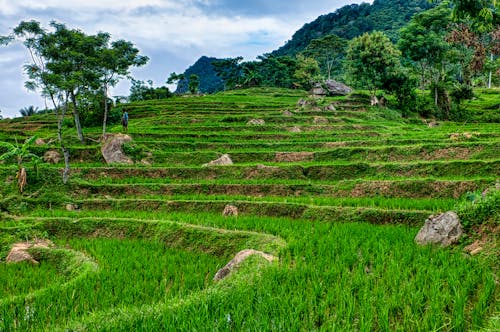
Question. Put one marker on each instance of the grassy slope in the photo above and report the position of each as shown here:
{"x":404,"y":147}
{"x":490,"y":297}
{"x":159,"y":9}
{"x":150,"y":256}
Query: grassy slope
{"x":359,"y":165}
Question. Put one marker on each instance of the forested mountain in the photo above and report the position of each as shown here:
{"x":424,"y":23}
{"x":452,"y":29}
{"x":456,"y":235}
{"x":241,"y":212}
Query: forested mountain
{"x":209,"y":81}
{"x":351,"y":21}
{"x":347,"y":22}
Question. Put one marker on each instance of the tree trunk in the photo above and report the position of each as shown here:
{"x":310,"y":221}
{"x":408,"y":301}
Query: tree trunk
{"x":104,"y":121}
{"x":490,"y":74}
{"x":77,"y":118}
{"x":65,"y":151}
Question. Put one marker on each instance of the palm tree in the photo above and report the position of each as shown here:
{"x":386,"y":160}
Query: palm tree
{"x":28,"y":111}
{"x":20,"y":154}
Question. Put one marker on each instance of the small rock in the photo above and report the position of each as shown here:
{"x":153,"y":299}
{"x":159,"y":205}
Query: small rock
{"x":222,"y":161}
{"x":230,"y":210}
{"x":238,"y":259}
{"x":320,"y":120}
{"x":468,"y":135}
{"x":444,"y":229}
{"x":256,"y":122}
{"x":295,"y":129}
{"x":52,"y":157}
{"x":330,"y":107}
{"x":71,"y":207}
{"x":40,"y":141}
{"x":287,"y":113}
{"x":455,"y":137}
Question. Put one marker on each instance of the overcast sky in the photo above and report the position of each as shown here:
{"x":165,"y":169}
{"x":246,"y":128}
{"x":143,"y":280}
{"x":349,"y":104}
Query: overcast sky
{"x":172,"y":33}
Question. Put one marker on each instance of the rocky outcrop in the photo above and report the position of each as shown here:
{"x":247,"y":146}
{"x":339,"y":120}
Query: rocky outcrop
{"x":52,"y":157}
{"x":337,"y":88}
{"x":238,"y":259}
{"x":444,"y":229}
{"x":112,"y":149}
{"x":230,"y":210}
{"x":20,"y":251}
{"x":222,"y":161}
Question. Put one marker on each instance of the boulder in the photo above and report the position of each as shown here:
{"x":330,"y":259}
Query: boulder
{"x":19,"y":251}
{"x":337,"y":88}
{"x":256,"y":122}
{"x":52,"y":157}
{"x":112,"y":149}
{"x":287,"y":113}
{"x":222,"y":161}
{"x":238,"y":259}
{"x":444,"y":229}
{"x":71,"y":207}
{"x":230,"y":210}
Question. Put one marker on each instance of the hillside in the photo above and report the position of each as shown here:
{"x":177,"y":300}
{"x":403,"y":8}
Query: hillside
{"x":334,"y":190}
{"x":351,"y":21}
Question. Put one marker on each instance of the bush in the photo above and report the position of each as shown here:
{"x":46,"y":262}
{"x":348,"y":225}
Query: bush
{"x":479,"y":209}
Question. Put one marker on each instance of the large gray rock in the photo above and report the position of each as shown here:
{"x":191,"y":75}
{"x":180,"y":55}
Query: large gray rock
{"x":444,"y":229}
{"x":238,"y":259}
{"x":112,"y":149}
{"x":337,"y":89}
{"x":318,"y":90}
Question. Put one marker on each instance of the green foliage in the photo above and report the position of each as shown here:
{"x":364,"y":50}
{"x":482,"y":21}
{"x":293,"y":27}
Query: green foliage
{"x":139,"y":91}
{"x":194,"y":83}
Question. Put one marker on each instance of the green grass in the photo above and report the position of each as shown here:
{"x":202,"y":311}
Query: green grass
{"x":140,"y":251}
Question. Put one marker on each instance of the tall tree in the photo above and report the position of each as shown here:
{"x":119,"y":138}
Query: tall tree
{"x":329,"y":52}
{"x":369,"y":60}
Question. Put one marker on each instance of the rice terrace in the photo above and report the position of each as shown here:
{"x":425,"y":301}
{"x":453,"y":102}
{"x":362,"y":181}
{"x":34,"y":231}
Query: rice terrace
{"x":275,"y":203}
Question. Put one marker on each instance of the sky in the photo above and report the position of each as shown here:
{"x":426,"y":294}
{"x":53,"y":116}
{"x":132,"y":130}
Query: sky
{"x":172,"y":33}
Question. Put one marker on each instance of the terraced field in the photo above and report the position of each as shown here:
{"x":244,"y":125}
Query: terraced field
{"x":336,"y":190}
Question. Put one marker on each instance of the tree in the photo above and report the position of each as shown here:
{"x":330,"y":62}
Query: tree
{"x":20,"y":154}
{"x":194,"y":83}
{"x":329,"y":52}
{"x":174,"y":78}
{"x":369,"y":60}
{"x":28,"y":111}
{"x":307,"y":72}
{"x":113,"y":63}
{"x":230,"y":71}
{"x":422,"y":43}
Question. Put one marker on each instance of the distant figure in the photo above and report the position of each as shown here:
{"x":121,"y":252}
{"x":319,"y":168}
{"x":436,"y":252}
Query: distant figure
{"x":125,"y":121}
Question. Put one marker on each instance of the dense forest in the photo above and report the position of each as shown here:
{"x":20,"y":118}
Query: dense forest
{"x":353,"y":20}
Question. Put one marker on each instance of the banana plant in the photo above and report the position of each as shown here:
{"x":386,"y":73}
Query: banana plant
{"x":21,"y":154}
